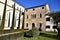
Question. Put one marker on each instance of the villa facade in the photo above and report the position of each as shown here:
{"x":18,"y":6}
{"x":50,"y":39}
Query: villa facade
{"x":9,"y":14}
{"x":35,"y":17}
{"x":50,"y":26}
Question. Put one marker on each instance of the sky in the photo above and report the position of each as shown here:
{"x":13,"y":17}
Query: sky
{"x":54,"y":5}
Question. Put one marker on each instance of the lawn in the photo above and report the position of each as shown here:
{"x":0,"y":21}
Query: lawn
{"x":43,"y":36}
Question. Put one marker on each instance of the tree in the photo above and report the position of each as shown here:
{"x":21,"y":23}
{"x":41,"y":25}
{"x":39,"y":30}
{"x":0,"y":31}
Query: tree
{"x":56,"y":19}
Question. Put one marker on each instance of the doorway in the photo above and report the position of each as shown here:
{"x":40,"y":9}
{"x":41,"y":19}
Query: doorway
{"x":33,"y":25}
{"x":40,"y":26}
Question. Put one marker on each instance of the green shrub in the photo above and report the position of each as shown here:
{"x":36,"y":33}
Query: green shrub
{"x":35,"y":32}
{"x":31,"y":33}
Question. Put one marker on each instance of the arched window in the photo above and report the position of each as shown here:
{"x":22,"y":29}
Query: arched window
{"x":33,"y":25}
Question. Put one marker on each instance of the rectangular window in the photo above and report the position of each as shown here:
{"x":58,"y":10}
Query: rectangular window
{"x":33,"y":24}
{"x":26,"y":24}
{"x":47,"y":26}
{"x":33,"y":16}
{"x":47,"y":19}
{"x":54,"y":27}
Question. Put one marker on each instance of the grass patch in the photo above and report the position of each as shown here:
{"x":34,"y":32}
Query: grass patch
{"x":44,"y":36}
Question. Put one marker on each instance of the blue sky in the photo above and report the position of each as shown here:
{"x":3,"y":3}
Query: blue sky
{"x":53,"y":4}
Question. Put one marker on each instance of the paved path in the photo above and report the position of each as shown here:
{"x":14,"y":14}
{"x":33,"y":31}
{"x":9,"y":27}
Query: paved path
{"x":9,"y":33}
{"x":6,"y":34}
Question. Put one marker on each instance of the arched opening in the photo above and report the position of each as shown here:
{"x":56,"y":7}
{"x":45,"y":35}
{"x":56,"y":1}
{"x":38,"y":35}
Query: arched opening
{"x":40,"y":26}
{"x":33,"y":25}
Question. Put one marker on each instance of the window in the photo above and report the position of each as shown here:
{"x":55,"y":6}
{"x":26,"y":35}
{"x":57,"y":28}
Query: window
{"x":33,"y":25}
{"x":22,"y":13}
{"x":26,"y":24}
{"x":47,"y":19}
{"x":42,"y":7}
{"x":33,"y":9}
{"x":40,"y":15}
{"x":27,"y":16}
{"x":54,"y":27}
{"x":47,"y":26}
{"x":33,"y":16}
